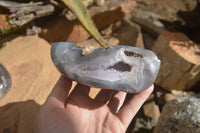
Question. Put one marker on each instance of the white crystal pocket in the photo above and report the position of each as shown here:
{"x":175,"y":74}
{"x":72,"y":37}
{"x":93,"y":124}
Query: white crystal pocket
{"x":119,"y":67}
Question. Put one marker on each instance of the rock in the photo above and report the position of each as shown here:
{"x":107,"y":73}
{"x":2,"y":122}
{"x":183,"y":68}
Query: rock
{"x":112,"y":41}
{"x":60,"y":29}
{"x":126,"y":32}
{"x":180,"y":68}
{"x":5,"y":81}
{"x":117,"y":67}
{"x":177,"y":93}
{"x":27,"y":59}
{"x":34,"y":31}
{"x":151,"y":110}
{"x":22,"y":13}
{"x":169,"y":97}
{"x":167,"y":9}
{"x":148,"y":21}
{"x":140,"y":41}
{"x":129,"y":33}
{"x":149,"y":39}
{"x":159,"y":94}
{"x":111,"y":28}
{"x":100,"y":2}
{"x":114,"y":10}
{"x":175,"y":15}
{"x":69,"y":15}
{"x":88,"y":2}
{"x":143,"y":126}
{"x":180,"y":116}
{"x":111,"y":5}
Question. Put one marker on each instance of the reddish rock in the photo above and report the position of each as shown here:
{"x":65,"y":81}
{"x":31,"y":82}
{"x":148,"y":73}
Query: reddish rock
{"x":180,"y":59}
{"x":27,"y":59}
{"x":114,"y":14}
{"x":62,"y":30}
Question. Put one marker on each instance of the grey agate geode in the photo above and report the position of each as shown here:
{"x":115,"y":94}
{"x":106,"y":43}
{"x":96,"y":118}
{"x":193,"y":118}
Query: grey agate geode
{"x":119,"y":67}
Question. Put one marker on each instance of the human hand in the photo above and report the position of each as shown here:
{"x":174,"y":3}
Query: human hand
{"x":79,"y":113}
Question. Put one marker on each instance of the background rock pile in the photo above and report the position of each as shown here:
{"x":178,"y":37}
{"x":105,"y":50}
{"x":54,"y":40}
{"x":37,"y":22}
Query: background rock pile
{"x":169,"y":28}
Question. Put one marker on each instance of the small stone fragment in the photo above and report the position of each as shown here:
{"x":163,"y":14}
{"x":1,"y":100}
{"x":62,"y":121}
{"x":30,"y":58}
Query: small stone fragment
{"x":151,"y":110}
{"x":123,"y":68}
{"x":169,"y":97}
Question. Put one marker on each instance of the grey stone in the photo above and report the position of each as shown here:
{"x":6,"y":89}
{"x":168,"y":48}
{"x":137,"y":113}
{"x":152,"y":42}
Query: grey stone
{"x":5,"y":81}
{"x":181,"y":115}
{"x":123,"y":68}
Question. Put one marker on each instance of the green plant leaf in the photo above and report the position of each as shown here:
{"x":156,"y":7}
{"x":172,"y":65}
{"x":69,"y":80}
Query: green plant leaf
{"x":78,"y":8}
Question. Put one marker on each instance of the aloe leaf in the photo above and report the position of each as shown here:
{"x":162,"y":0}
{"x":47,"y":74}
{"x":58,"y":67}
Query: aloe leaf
{"x":78,"y":8}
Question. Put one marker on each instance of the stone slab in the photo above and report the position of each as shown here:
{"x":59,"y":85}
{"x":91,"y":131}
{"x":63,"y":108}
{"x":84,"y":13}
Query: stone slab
{"x":27,"y":59}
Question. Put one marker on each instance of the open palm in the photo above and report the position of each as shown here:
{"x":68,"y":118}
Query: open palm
{"x":77,"y":112}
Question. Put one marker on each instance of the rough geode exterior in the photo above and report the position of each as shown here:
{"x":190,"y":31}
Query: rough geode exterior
{"x":181,"y":115}
{"x":118,"y":67}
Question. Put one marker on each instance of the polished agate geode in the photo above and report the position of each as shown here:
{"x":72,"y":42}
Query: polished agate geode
{"x":119,"y":67}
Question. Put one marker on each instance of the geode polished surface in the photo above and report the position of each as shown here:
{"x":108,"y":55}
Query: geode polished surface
{"x":119,"y":67}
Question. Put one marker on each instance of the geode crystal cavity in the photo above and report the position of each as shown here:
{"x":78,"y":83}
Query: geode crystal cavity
{"x":123,"y":68}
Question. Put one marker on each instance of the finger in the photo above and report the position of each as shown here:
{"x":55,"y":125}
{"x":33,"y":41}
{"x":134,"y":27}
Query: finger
{"x":61,"y":89}
{"x":116,"y":101}
{"x":130,"y":109}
